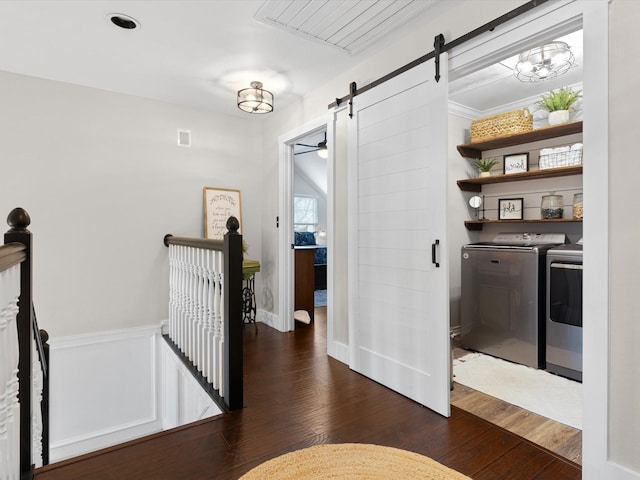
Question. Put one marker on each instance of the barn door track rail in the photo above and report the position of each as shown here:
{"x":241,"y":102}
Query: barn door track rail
{"x":439,"y":46}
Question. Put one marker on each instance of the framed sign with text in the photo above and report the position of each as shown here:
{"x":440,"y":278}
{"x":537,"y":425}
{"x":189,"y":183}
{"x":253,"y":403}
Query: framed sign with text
{"x":219,"y":205}
{"x":510,"y":208}
{"x":516,"y":163}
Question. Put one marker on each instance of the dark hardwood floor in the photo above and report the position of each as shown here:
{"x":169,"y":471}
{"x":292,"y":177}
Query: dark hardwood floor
{"x":297,"y":397}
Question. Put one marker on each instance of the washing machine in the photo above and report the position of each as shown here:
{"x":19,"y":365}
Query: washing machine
{"x":503,"y":296}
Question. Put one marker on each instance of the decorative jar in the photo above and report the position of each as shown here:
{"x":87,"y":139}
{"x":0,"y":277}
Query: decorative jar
{"x":578,"y":206}
{"x":552,"y":206}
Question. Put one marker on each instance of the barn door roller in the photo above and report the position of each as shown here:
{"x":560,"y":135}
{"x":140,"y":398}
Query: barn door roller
{"x":438,"y":43}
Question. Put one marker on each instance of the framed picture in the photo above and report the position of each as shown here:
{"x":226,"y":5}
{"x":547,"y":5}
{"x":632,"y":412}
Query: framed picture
{"x":510,"y":208}
{"x":219,"y":205}
{"x":516,"y":163}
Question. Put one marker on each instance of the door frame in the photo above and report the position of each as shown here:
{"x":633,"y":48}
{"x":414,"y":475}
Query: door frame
{"x":549,"y":19}
{"x":286,"y":142}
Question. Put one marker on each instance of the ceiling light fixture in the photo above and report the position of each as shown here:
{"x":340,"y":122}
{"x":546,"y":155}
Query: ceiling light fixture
{"x":544,"y":62}
{"x":124,"y":21}
{"x":255,"y":99}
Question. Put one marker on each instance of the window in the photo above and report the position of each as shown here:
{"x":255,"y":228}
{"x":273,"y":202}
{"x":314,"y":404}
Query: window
{"x":305,"y":214}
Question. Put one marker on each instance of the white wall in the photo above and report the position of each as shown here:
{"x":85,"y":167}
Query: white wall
{"x":103,"y":179}
{"x":458,"y":210}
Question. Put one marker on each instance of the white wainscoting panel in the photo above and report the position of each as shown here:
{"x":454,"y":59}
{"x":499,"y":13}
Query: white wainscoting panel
{"x":183,"y":399}
{"x":112,"y":387}
{"x":104,"y":390}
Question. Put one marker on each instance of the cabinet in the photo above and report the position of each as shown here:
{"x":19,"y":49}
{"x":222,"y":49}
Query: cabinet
{"x":474,"y":150}
{"x":304,"y":279}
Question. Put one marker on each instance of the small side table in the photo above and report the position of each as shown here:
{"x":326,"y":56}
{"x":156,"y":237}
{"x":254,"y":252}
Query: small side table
{"x":249,"y":270}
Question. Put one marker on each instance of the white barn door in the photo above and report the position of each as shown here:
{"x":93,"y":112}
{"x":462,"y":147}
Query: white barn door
{"x":399,"y":297}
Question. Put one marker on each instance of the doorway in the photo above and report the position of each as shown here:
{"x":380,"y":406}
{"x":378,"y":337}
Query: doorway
{"x":489,"y":88}
{"x":309,"y":206}
{"x":304,"y":170}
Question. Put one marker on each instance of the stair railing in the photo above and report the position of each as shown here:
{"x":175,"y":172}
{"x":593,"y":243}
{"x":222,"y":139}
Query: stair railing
{"x":205,"y":311}
{"x":23,"y":424}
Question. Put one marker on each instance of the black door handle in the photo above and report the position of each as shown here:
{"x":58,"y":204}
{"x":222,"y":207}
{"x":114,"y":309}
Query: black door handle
{"x":434,"y":246}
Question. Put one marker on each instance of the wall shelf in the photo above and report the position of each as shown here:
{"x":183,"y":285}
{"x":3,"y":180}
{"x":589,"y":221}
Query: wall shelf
{"x":478,"y":224}
{"x":474,"y":150}
{"x":475,"y":184}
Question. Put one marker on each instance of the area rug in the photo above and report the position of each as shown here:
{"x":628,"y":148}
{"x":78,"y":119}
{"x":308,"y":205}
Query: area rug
{"x":320,"y":298}
{"x":352,"y":461}
{"x":538,"y":391}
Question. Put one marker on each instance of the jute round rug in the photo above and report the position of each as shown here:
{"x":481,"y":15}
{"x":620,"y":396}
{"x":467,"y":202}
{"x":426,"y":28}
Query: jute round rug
{"x":352,"y":461}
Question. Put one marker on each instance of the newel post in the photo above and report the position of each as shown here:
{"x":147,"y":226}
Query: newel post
{"x":233,"y":326}
{"x":18,"y":219}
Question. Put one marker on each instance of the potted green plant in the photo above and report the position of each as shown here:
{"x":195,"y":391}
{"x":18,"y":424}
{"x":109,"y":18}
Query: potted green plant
{"x":485,"y":165}
{"x":558,"y":103}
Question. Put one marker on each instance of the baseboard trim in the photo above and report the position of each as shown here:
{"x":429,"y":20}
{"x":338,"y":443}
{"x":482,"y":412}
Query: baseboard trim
{"x":99,"y":440}
{"x":339,"y":351}
{"x":270,"y":319}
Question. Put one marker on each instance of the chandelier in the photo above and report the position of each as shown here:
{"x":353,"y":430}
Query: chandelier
{"x":255,"y":99}
{"x":546,"y":61}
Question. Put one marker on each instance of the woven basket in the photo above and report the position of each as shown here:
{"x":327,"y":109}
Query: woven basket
{"x":501,"y":125}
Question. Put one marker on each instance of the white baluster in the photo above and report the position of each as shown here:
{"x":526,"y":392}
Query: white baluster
{"x":9,"y":408}
{"x":172,"y":291}
{"x":178,"y":295}
{"x":193,"y":288}
{"x":37,"y":385}
{"x":207,"y":306}
{"x":221,"y":326}
{"x":189,"y":298}
{"x":175,"y":276}
{"x":183,"y":298}
{"x":203,"y":312}
{"x":202,"y":295}
{"x":195,"y":294}
{"x":217,"y":315}
{"x":195,"y":353}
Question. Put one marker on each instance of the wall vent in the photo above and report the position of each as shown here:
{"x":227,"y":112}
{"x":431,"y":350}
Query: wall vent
{"x":184,"y":138}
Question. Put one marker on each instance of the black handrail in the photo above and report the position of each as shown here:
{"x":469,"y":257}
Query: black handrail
{"x":231,"y":247}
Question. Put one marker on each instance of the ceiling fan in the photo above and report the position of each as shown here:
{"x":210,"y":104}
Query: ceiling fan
{"x":321,"y":147}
